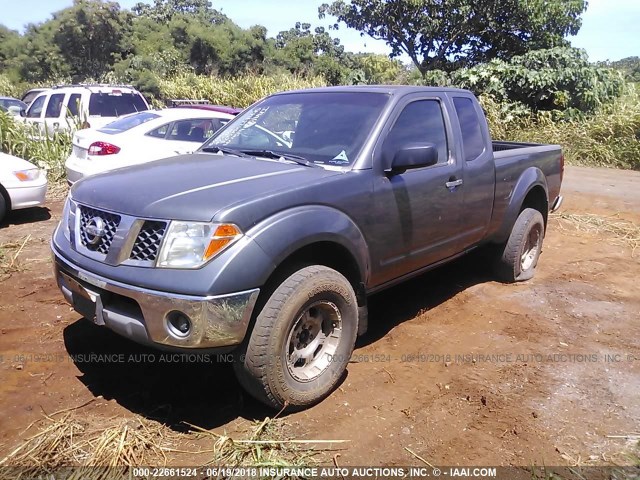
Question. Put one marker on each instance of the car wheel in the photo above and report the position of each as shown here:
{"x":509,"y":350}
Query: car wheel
{"x":302,"y":340}
{"x":3,"y":207}
{"x":520,"y":255}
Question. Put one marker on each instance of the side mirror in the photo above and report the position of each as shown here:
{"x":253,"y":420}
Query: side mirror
{"x":414,"y":155}
{"x":23,"y":112}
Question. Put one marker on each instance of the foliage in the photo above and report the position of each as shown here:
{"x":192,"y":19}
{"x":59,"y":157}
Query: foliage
{"x":629,"y":66}
{"x":89,"y":36}
{"x":608,"y":138}
{"x":559,"y":79}
{"x":25,"y":141}
{"x":240,"y":91}
{"x":447,"y":35}
{"x":8,"y":88}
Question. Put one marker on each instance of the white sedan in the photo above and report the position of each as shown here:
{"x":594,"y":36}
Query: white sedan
{"x":139,"y":138}
{"x":22,"y":184}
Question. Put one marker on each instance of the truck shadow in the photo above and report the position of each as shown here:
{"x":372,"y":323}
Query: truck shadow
{"x":201,"y":389}
{"x":27,"y":215}
{"x":176,"y":390}
{"x":405,"y":301}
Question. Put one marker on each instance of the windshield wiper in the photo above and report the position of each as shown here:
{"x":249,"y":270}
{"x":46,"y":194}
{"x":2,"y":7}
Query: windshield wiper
{"x":287,"y":156}
{"x":225,"y":150}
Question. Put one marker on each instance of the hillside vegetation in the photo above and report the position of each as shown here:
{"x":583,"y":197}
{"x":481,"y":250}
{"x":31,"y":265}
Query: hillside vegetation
{"x":540,"y":91}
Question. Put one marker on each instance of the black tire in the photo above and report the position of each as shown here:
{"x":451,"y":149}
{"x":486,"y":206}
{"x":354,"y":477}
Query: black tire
{"x":266,"y":365}
{"x":3,"y":207}
{"x":526,"y":237}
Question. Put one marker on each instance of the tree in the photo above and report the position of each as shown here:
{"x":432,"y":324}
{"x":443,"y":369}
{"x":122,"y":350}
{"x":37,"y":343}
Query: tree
{"x":90,"y":36}
{"x":164,"y":10}
{"x":448,"y":34}
{"x":630,"y":66}
{"x":302,"y":51}
{"x":559,"y":79}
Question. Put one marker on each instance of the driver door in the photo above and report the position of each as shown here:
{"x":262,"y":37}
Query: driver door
{"x":419,"y":209}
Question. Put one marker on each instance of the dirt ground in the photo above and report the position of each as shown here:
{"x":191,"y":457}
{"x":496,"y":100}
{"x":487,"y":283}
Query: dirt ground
{"x":457,"y":368}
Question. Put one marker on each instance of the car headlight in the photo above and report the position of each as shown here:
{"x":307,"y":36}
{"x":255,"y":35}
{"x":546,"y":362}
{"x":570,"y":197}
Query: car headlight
{"x":27,"y":175}
{"x":192,"y":244}
{"x":68,"y":218}
{"x":64,"y":221}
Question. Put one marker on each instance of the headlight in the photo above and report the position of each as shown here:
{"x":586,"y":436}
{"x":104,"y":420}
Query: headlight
{"x":26,"y":175}
{"x":192,"y":244}
{"x":66,"y":222}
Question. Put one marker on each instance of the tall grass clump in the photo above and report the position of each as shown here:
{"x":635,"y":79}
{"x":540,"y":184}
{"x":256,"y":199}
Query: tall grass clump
{"x":27,"y":141}
{"x":8,"y":88}
{"x":240,"y":91}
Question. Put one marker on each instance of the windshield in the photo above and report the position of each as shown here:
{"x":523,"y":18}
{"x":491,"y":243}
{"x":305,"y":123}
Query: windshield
{"x":128,"y":122}
{"x":321,"y":127}
{"x":6,"y":103}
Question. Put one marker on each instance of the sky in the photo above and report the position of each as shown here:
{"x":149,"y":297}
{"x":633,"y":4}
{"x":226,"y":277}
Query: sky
{"x":610,"y":28}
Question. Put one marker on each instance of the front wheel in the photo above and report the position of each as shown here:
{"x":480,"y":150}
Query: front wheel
{"x":3,"y":207}
{"x":520,"y":254}
{"x":302,"y":340}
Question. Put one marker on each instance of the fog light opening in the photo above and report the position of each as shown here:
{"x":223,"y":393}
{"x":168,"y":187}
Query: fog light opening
{"x":178,"y":324}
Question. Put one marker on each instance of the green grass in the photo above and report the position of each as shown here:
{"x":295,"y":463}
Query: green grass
{"x":240,"y":91}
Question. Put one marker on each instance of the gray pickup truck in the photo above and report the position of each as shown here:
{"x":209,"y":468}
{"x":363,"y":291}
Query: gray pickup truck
{"x":268,"y":241}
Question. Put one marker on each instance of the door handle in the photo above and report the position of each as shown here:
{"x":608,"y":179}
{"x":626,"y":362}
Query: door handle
{"x":453,"y":183}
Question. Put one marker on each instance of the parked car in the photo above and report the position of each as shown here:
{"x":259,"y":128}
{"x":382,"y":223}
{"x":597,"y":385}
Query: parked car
{"x":63,"y":107}
{"x":22,"y":184}
{"x":30,"y":95}
{"x":140,"y":138}
{"x":215,"y":108}
{"x":203,"y":105}
{"x":272,"y":252}
{"x":12,"y":106}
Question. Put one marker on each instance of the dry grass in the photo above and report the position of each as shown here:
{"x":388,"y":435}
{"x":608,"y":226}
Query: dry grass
{"x":265,"y":447}
{"x":100,"y":452}
{"x":9,"y":253}
{"x":625,"y":231}
{"x":97,"y":452}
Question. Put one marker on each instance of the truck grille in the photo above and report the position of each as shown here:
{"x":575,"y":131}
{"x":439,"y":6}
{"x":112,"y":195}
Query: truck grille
{"x":147,"y":243}
{"x":104,"y":222}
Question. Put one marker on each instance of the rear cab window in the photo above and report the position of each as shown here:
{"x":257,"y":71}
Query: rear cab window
{"x":473,"y":141}
{"x":115,"y":104}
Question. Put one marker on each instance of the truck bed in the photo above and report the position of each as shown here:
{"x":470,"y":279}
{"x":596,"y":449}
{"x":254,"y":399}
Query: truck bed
{"x":513,"y":158}
{"x":501,"y":146}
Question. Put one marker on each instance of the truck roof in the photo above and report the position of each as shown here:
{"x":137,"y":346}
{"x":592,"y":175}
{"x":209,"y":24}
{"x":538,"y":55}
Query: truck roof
{"x":390,"y":89}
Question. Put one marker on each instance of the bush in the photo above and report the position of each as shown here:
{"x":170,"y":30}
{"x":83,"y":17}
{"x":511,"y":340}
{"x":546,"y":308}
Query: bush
{"x":559,"y":79}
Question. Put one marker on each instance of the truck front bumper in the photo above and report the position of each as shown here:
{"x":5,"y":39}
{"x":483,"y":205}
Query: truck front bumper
{"x":160,"y":319}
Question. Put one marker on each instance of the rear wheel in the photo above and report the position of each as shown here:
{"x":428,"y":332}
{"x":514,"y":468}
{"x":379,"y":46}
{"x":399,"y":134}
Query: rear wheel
{"x":520,"y":254}
{"x":302,"y":340}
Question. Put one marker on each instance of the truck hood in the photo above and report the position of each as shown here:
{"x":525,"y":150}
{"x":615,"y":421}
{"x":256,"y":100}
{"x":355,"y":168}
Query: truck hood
{"x":191,"y":187}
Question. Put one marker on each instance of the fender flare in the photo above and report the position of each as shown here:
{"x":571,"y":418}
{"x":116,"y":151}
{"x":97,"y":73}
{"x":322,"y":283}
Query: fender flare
{"x":290,"y":230}
{"x":529,"y":179}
